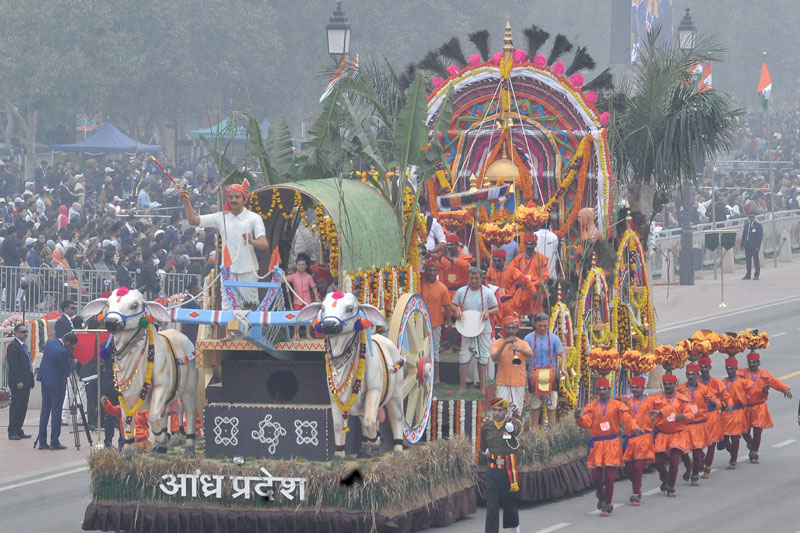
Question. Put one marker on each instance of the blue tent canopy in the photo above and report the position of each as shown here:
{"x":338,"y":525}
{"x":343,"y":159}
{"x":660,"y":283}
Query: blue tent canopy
{"x":108,"y":140}
{"x":223,"y":131}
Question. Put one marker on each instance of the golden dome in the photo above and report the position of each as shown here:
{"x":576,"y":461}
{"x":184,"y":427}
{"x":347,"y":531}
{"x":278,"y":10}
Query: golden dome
{"x":501,"y":168}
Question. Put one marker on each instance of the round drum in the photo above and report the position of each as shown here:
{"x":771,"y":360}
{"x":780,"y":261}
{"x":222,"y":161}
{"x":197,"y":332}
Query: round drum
{"x":470,"y":325}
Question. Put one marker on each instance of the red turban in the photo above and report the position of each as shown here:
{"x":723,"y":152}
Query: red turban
{"x":638,"y":381}
{"x":510,"y":319}
{"x":692,"y":367}
{"x":669,"y":378}
{"x":731,"y":363}
{"x":241,"y":189}
{"x":705,"y":360}
{"x":529,"y":237}
{"x":432,"y":262}
{"x":753,"y":356}
{"x":602,"y":382}
{"x":498,"y":253}
{"x":451,"y":239}
{"x":500,"y":402}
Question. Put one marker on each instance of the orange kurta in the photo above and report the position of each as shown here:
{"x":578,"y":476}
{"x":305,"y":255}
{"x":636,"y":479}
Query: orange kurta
{"x":640,"y":446}
{"x":141,"y":424}
{"x":735,"y":422}
{"x":514,"y":286}
{"x":697,"y":429}
{"x":672,"y":432}
{"x":604,"y":421}
{"x":714,"y":426}
{"x":536,"y":270}
{"x":756,"y":409}
{"x":454,"y":271}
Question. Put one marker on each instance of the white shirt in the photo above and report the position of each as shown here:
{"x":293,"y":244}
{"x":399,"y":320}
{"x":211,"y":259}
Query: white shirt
{"x":547,"y":245}
{"x":243,"y":255}
{"x":435,"y":235}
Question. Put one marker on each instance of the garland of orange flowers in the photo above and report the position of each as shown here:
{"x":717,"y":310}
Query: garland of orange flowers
{"x":732,"y":344}
{"x":455,"y":220}
{"x":344,"y":407}
{"x":603,"y":360}
{"x":495,"y":235}
{"x":327,"y":232}
{"x":530,"y":215}
{"x":130,"y":412}
{"x":636,"y":361}
{"x":562,"y":189}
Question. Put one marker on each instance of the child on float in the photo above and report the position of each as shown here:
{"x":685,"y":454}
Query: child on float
{"x":305,"y":288}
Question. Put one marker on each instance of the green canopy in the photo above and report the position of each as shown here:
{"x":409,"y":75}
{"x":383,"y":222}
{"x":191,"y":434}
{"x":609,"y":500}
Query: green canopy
{"x":369,"y":232}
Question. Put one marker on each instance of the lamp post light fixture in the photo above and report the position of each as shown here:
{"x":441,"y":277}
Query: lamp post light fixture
{"x":687,"y":33}
{"x":338,"y":30}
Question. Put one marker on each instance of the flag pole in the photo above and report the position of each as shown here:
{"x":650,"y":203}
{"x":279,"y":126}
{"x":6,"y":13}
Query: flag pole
{"x":771,"y":182}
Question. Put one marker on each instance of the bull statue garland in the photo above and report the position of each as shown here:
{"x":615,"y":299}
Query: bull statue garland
{"x":362,"y":372}
{"x":151,"y":369}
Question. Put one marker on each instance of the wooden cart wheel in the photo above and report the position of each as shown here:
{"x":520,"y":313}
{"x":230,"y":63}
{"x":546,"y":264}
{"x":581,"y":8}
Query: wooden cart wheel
{"x":410,"y":330}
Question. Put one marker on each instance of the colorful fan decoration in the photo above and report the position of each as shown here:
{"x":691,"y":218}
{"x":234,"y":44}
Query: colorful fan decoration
{"x":531,"y":215}
{"x":732,"y":344}
{"x":754,"y":340}
{"x":496,"y":235}
{"x":670,"y":358}
{"x":455,"y":220}
{"x":638,"y":362}
{"x":603,"y":359}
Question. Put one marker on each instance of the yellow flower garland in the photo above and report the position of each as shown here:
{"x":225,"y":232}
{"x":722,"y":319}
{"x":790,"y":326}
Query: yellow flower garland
{"x":130,"y":412}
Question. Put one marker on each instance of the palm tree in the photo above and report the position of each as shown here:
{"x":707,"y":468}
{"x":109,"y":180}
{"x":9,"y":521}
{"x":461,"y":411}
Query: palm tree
{"x":663,"y":125}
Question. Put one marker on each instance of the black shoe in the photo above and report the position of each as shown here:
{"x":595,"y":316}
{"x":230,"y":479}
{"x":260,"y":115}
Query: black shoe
{"x":746,"y":277}
{"x":57,"y":446}
{"x":23,"y":435}
{"x":44,"y":446}
{"x":13,"y":436}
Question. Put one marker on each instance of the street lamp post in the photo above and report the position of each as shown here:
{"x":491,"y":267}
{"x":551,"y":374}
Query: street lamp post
{"x":687,"y":39}
{"x":338,"y":30}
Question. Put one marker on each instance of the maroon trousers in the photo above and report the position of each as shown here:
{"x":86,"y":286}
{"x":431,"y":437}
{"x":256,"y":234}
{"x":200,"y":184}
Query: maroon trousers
{"x":674,"y":459}
{"x":635,"y":470}
{"x":754,"y":442}
{"x":732,"y":445}
{"x":603,"y":479}
{"x":710,"y":454}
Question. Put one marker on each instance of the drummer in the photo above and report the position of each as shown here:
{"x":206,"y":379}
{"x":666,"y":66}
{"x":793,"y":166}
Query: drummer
{"x":548,"y":353}
{"x":476,"y":337}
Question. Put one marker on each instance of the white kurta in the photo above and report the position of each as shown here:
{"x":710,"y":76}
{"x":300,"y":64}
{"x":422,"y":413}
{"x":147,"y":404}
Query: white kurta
{"x":231,"y":229}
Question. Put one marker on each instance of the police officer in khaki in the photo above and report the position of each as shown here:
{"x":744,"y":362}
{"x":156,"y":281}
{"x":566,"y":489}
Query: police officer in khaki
{"x":500,"y":436}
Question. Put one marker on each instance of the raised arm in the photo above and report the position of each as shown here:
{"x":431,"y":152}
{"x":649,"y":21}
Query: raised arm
{"x":191,"y":215}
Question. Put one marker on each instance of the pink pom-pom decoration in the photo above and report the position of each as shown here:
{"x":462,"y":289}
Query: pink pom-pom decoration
{"x":520,"y":56}
{"x":496,"y":58}
{"x":604,"y":118}
{"x":576,"y":79}
{"x":539,"y":60}
{"x":437,"y":81}
{"x":337,"y":294}
{"x":474,"y":59}
{"x":453,"y":70}
{"x":558,"y":67}
{"x":122,"y":291}
{"x":591,"y":97}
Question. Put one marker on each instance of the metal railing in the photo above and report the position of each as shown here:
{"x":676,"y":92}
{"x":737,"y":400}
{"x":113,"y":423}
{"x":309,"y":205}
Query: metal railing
{"x":39,"y":290}
{"x":667,"y":243}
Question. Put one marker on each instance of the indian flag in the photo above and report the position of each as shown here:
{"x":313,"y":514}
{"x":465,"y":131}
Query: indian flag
{"x":764,"y":85}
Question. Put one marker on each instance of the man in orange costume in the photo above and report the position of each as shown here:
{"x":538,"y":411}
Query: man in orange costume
{"x":603,"y":417}
{"x":700,"y":399}
{"x":638,"y":450}
{"x":714,"y":428}
{"x":734,"y":419}
{"x":534,"y":267}
{"x":454,"y":266}
{"x":758,"y":417}
{"x":670,"y":413}
{"x":437,"y":298}
{"x":510,"y":353}
{"x":508,"y":278}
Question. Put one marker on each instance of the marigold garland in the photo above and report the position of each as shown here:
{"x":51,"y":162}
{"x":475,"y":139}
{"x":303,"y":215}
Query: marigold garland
{"x":130,"y":412}
{"x":456,"y":220}
{"x":531,"y":216}
{"x":638,"y":362}
{"x":603,"y":359}
{"x":344,"y":407}
{"x":495,"y":235}
{"x":732,"y":344}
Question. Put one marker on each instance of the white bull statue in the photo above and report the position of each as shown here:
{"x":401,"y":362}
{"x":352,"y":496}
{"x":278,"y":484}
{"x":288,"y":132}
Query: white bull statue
{"x":130,"y":319}
{"x":340,"y":318}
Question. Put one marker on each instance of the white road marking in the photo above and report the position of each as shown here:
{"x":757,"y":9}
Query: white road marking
{"x":678,"y":325}
{"x":780,"y":334}
{"x":784,"y":443}
{"x":39,"y":480}
{"x":597,"y":511}
{"x":652,"y":491}
{"x":556,"y":527}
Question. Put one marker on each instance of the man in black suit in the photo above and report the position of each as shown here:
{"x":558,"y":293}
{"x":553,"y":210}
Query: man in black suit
{"x":68,"y":321}
{"x":20,"y":381}
{"x":57,"y":363}
{"x":752,"y":235}
{"x":123,"y":272}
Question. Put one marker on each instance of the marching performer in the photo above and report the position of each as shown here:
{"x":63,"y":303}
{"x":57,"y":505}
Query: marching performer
{"x":700,"y":400}
{"x":603,"y":417}
{"x":734,"y":419}
{"x":670,"y":414}
{"x":714,"y":427}
{"x":638,"y":450}
{"x":501,"y":438}
{"x":758,"y":418}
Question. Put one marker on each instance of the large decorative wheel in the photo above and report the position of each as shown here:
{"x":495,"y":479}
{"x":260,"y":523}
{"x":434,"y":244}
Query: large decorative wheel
{"x":410,"y":330}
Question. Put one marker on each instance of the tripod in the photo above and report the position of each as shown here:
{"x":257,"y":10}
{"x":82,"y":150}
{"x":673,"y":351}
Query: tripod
{"x":76,"y":408}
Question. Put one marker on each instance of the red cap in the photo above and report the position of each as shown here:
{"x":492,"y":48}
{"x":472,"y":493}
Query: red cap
{"x":693,"y":367}
{"x":498,"y":253}
{"x":432,"y":262}
{"x":510,"y":319}
{"x":705,"y":360}
{"x":529,"y":237}
{"x":451,"y":239}
{"x":753,"y":356}
{"x":669,"y":378}
{"x":731,"y":362}
{"x":602,"y":382}
{"x":638,"y":381}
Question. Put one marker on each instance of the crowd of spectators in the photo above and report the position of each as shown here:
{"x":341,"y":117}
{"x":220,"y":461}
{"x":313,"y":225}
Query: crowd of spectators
{"x":85,"y":226}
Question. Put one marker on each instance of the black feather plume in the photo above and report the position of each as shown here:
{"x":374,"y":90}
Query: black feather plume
{"x":432,"y":62}
{"x":536,"y":38}
{"x":582,"y":60}
{"x":481,"y":41}
{"x":560,"y":46}
{"x":452,"y":51}
{"x":405,"y":79}
{"x":601,"y":82}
